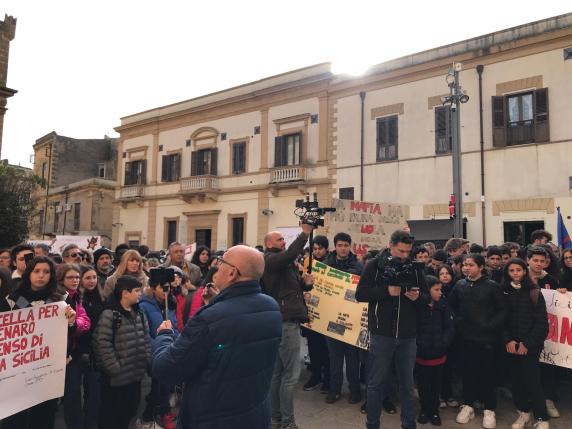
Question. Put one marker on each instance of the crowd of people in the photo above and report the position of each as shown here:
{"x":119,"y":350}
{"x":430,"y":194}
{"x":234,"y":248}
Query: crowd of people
{"x":221,"y":341}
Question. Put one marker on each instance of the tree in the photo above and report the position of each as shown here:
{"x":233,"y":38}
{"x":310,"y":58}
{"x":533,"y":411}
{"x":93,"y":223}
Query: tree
{"x":16,"y":203}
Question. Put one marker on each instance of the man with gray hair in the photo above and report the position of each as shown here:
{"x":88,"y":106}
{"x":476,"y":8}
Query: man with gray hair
{"x":176,"y":257}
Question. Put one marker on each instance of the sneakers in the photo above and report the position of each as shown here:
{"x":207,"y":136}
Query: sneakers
{"x":435,"y":420}
{"x":354,"y":398}
{"x":541,"y":424}
{"x":312,"y":384}
{"x":442,"y":404}
{"x":521,"y":421}
{"x":467,"y":413}
{"x":332,"y":397}
{"x":422,"y":418}
{"x":140,"y":424}
{"x":169,"y":421}
{"x":452,"y":402}
{"x":489,"y":419}
{"x":388,"y":406}
{"x":363,"y":408}
{"x":551,"y":408}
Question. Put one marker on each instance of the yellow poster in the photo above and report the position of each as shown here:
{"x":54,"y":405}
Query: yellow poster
{"x":333,"y":309}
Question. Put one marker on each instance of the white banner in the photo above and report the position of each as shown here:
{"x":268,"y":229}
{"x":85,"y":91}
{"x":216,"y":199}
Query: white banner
{"x":558,"y":344}
{"x":33,"y":344}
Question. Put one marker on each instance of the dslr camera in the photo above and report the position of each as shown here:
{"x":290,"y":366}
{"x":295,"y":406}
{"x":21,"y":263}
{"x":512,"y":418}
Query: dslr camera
{"x":310,"y":212}
{"x":406,"y":274}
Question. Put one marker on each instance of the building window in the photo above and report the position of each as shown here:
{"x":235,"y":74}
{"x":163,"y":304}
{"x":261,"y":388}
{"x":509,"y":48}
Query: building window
{"x":347,"y":193}
{"x":521,"y":118}
{"x":135,"y":172}
{"x":519,"y":232}
{"x":44,"y":169}
{"x":133,"y":241}
{"x":204,"y":162}
{"x":41,"y":222}
{"x":76,"y":216}
{"x":203,"y":237}
{"x":238,"y":157}
{"x":237,"y":235}
{"x":171,"y":168}
{"x":443,"y":143}
{"x":288,"y":150}
{"x":101,"y":170}
{"x":172,"y":231}
{"x":386,"y":138}
{"x":57,"y":211}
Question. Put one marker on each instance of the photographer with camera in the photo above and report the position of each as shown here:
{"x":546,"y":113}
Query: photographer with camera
{"x":283,"y":282}
{"x":394,"y":287}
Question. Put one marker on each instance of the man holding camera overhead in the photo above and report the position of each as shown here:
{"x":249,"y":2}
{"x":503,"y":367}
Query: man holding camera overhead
{"x":392,"y":321}
{"x":283,"y":282}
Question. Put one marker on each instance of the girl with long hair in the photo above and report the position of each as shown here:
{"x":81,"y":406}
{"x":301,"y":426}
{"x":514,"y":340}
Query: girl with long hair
{"x":38,"y":287}
{"x":566,"y":271}
{"x":201,"y":259}
{"x":131,"y":264}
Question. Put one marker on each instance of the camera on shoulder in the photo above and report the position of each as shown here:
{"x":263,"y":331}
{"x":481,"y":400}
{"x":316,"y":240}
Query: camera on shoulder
{"x":406,"y":274}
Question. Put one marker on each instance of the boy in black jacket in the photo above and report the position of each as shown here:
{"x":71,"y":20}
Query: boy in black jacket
{"x":434,"y":334}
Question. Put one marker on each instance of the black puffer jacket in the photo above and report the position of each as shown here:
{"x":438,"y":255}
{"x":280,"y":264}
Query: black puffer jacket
{"x":390,"y":316}
{"x":435,"y":330}
{"x":527,"y":321}
{"x":480,"y":310}
{"x":121,"y":344}
{"x":349,"y":265}
{"x":283,"y":282}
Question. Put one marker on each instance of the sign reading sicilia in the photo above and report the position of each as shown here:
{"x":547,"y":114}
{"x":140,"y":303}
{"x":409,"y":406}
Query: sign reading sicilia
{"x":333,"y":309}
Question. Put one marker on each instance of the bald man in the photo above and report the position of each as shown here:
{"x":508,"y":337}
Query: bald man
{"x":225,"y":354}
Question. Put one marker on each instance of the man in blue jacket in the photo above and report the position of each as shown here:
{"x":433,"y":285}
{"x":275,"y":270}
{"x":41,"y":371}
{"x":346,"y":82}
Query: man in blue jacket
{"x":225,"y":355}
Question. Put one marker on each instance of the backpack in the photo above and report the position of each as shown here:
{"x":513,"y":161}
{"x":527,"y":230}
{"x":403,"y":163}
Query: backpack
{"x":116,"y":323}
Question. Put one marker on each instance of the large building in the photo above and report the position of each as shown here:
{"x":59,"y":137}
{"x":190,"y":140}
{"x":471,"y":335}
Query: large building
{"x":227,"y":167}
{"x":80,"y":177}
{"x":7,"y":33}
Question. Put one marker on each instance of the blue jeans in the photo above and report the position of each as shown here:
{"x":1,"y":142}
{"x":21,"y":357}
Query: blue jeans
{"x":383,"y":352}
{"x":286,"y":373}
{"x":337,"y":351}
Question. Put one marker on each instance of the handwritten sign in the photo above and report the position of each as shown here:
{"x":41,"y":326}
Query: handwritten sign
{"x":369,"y":224}
{"x":558,"y":344}
{"x":333,"y":309}
{"x":33,"y":345}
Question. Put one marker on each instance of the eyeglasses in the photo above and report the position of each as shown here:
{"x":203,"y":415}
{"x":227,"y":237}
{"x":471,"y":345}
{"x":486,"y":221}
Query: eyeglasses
{"x":568,"y":258}
{"x":75,"y":255}
{"x":222,"y":261}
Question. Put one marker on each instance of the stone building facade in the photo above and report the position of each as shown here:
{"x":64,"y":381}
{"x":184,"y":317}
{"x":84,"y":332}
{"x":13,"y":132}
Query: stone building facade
{"x":7,"y":33}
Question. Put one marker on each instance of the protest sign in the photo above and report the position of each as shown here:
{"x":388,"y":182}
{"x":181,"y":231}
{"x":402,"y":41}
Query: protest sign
{"x":558,"y":344}
{"x":86,"y":242}
{"x":289,"y":233}
{"x":369,"y":224}
{"x":333,"y":309}
{"x":189,"y":250}
{"x":33,"y":344}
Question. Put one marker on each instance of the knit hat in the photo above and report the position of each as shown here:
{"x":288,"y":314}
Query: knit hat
{"x":100,"y":252}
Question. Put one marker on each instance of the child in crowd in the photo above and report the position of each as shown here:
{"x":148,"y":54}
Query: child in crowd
{"x":434,"y":334}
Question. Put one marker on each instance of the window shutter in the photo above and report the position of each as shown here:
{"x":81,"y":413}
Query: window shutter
{"x":127,"y":181}
{"x":393,"y":138}
{"x":176,"y":173}
{"x":165,"y":176}
{"x":278,"y":151}
{"x":378,"y":141}
{"x":442,"y":130}
{"x":300,"y":158}
{"x":194,"y":163}
{"x":499,"y":122}
{"x":214,"y":152}
{"x":542,"y":128}
{"x":143,"y":179}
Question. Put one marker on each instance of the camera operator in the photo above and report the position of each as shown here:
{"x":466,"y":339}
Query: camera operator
{"x":282,"y":281}
{"x":392,"y":320}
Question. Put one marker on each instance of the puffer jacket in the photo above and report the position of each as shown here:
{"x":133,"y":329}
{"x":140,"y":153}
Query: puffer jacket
{"x":80,"y":327}
{"x":527,"y":321}
{"x":121,"y":344}
{"x":480,"y":310}
{"x":155,"y":313}
{"x":283,"y":282}
{"x":435,"y":330}
{"x":349,"y":265}
{"x":225,"y":357}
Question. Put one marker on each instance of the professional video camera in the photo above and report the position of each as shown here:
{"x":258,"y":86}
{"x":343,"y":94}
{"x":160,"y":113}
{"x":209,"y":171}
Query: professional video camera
{"x":310,"y":212}
{"x":406,"y":274}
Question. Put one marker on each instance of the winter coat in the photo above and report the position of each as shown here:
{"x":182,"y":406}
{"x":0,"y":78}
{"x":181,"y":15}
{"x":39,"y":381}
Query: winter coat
{"x":566,"y":279}
{"x":80,"y":327}
{"x":225,"y":357}
{"x":112,"y":280}
{"x":389,"y":316}
{"x":527,"y":320}
{"x":190,"y":269}
{"x":102,"y":277}
{"x":479,"y":310}
{"x":25,"y":298}
{"x":155,"y":313}
{"x":349,"y":265}
{"x":548,"y":282}
{"x":94,"y":306}
{"x":435,"y":330}
{"x":121,"y":344}
{"x":283,"y":282}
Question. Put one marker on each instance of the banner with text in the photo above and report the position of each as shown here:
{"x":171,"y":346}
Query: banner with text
{"x":369,"y":224}
{"x":558,"y":344}
{"x":333,"y":308}
{"x":33,"y":344}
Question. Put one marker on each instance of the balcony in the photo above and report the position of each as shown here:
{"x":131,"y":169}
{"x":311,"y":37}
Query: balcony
{"x":132,"y":192}
{"x":200,"y":187}
{"x":288,"y":174}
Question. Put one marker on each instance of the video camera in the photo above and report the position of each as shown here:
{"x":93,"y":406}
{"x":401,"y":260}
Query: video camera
{"x":310,"y":212}
{"x":406,"y":274}
{"x":162,"y":276}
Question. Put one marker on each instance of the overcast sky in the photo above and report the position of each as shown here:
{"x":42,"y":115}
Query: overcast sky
{"x":80,"y":66}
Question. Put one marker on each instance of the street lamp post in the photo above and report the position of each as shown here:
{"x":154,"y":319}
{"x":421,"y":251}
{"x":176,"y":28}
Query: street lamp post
{"x":456,"y":97}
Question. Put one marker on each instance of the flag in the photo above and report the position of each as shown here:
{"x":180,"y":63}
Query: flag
{"x":564,"y":240}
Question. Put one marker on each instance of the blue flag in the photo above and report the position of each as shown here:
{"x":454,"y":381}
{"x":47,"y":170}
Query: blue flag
{"x":564,"y":240}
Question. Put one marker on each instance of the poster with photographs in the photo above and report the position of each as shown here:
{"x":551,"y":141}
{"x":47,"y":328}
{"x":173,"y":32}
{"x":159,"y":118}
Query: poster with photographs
{"x":333,"y":309}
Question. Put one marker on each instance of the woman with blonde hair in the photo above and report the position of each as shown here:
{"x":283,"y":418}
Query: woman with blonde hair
{"x":131,"y":265}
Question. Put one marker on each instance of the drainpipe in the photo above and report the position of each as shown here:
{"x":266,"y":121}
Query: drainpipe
{"x":480,"y":69}
{"x":362,"y":97}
